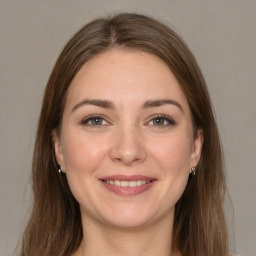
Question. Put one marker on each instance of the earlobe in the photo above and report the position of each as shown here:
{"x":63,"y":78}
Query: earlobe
{"x":57,"y":149}
{"x":197,"y":148}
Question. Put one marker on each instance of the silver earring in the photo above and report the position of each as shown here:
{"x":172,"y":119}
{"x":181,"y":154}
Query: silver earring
{"x":193,"y":171}
{"x":60,"y":171}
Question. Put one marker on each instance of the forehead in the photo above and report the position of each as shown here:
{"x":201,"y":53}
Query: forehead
{"x":125,"y":75}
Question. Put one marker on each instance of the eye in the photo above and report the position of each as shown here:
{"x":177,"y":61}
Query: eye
{"x":161,"y":120}
{"x":94,"y":121}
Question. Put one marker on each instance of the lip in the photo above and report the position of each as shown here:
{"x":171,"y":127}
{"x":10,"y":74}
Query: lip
{"x":128,"y":177}
{"x":128,"y":191}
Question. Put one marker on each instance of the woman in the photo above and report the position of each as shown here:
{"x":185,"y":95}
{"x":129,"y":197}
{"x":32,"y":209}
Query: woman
{"x":127,"y":159}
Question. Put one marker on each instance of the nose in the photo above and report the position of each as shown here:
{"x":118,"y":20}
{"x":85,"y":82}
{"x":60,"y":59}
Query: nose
{"x":128,"y":147}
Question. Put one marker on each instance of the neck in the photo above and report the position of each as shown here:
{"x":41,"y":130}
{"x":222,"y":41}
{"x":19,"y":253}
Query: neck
{"x":155,"y":239}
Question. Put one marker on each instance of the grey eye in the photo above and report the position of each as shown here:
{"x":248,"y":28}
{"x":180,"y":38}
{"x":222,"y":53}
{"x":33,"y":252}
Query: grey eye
{"x":162,"y":121}
{"x":94,"y":121}
{"x":159,"y":121}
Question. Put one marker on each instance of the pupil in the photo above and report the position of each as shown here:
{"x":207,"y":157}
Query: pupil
{"x":96,"y":120}
{"x":159,"y":121}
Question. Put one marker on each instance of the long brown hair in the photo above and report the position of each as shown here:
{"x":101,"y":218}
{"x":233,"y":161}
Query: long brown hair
{"x":54,"y":227}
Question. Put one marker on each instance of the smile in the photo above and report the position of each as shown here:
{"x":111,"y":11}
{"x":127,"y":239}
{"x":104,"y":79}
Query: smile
{"x":124,"y":183}
{"x":127,"y":185}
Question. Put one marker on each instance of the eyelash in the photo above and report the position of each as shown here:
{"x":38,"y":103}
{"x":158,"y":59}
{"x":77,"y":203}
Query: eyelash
{"x":90,"y":118}
{"x":170,"y":121}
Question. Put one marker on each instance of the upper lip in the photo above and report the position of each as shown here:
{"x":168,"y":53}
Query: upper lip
{"x":128,"y":177}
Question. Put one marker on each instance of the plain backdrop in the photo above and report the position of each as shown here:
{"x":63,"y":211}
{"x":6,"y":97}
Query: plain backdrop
{"x":221,"y":34}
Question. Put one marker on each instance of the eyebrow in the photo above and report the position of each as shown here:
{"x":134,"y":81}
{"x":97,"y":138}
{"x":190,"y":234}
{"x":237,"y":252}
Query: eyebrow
{"x":98,"y":103}
{"x":109,"y":105}
{"x":161,"y":102}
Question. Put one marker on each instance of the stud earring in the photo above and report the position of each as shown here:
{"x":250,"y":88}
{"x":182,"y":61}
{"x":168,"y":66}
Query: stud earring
{"x":60,"y":171}
{"x":193,"y":171}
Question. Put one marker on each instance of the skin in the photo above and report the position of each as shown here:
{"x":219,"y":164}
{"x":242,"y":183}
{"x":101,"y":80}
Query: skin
{"x":130,"y":140}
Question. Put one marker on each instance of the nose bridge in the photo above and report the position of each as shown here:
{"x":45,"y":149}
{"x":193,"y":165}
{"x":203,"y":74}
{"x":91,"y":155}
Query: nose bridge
{"x":128,"y":144}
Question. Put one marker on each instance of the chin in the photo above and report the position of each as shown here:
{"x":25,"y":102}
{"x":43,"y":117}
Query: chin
{"x":129,"y":223}
{"x":131,"y":219}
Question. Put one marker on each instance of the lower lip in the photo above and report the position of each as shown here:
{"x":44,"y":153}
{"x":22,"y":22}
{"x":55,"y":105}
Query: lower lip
{"x":128,"y":191}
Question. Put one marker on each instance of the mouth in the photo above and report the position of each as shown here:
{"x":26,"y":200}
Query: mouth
{"x":127,"y":185}
{"x":124,"y":183}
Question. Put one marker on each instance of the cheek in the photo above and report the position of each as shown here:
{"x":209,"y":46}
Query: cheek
{"x":170,"y":156}
{"x":173,"y":154}
{"x":82,"y":154}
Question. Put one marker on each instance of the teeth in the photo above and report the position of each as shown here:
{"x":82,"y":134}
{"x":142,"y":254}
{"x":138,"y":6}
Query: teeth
{"x":117,"y":183}
{"x":139,"y":182}
{"x":124,"y":183}
{"x":132,"y":184}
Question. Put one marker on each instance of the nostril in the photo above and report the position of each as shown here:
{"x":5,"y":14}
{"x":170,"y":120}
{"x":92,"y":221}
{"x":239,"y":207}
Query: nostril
{"x":127,"y":148}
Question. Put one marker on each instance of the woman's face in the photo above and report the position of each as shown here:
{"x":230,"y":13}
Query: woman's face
{"x":126,"y":142}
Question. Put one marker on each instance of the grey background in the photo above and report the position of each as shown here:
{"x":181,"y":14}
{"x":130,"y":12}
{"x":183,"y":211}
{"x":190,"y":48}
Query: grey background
{"x":221,"y":34}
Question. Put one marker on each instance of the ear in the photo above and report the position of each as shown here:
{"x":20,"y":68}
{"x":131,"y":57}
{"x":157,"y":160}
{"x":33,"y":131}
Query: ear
{"x":58,"y":149}
{"x":197,"y":148}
